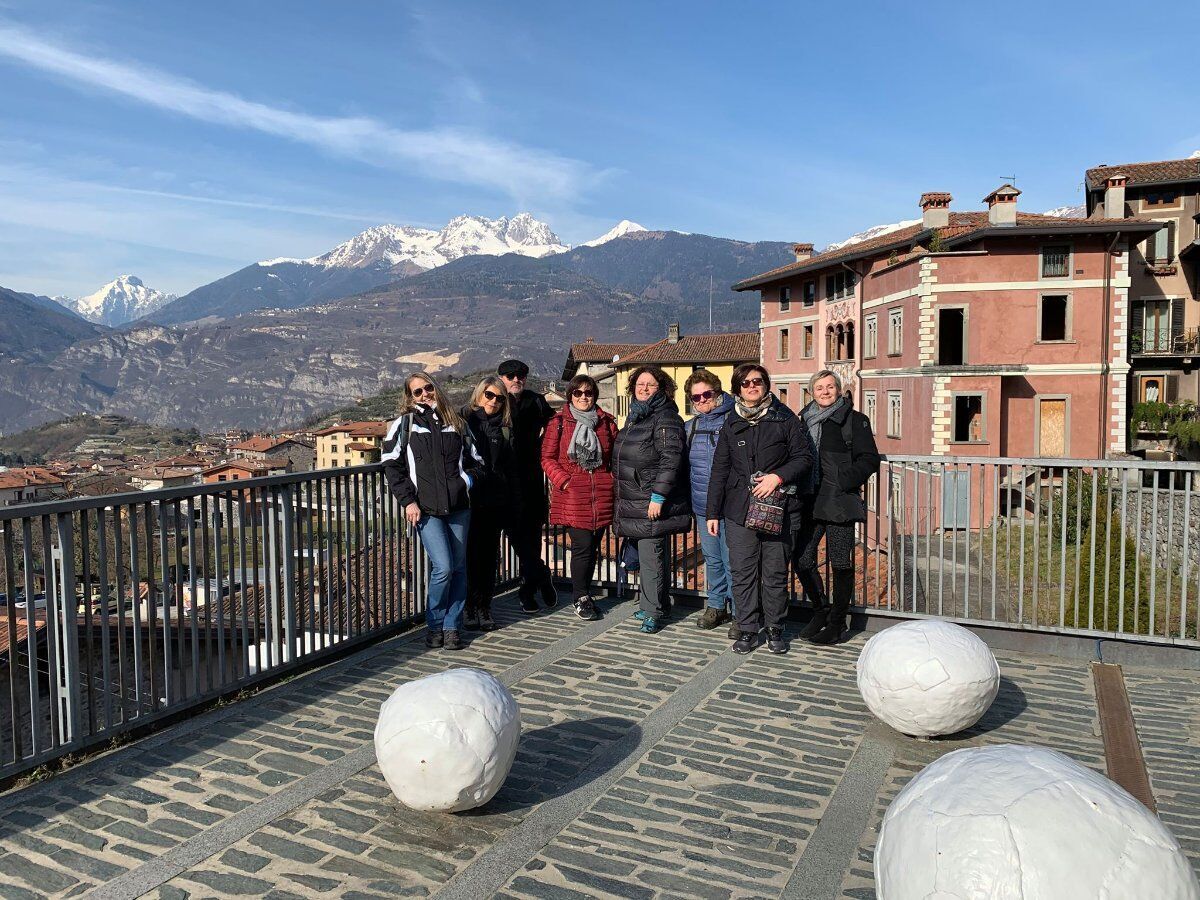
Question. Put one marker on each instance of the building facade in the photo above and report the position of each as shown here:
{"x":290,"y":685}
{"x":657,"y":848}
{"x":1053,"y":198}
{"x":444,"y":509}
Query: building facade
{"x":260,"y":447}
{"x":350,"y":444}
{"x":597,"y":360}
{"x":994,"y":333}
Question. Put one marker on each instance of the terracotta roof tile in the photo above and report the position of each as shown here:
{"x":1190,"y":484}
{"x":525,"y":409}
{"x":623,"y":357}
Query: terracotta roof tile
{"x":356,"y":429}
{"x":590,"y":351}
{"x":260,"y":444}
{"x":699,"y":348}
{"x":1164,"y":171}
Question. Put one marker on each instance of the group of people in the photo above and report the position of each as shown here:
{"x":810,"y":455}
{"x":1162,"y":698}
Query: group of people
{"x":767,"y":484}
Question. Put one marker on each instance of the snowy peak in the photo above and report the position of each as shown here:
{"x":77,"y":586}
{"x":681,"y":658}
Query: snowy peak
{"x":122,"y":300}
{"x":622,"y":228}
{"x":872,"y":232}
{"x":393,"y":245}
{"x":1067,"y":212}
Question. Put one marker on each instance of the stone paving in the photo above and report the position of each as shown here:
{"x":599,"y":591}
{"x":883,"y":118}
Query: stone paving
{"x":649,"y":766}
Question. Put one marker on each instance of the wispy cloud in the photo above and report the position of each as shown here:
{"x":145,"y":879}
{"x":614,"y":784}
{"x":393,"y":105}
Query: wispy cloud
{"x":528,"y":175}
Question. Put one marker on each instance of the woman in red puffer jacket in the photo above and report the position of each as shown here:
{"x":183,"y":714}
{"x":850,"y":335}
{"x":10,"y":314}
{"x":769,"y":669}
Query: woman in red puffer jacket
{"x":577,"y":459}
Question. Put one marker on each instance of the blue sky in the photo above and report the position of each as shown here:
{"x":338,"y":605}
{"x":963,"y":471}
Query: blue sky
{"x":182,"y":141}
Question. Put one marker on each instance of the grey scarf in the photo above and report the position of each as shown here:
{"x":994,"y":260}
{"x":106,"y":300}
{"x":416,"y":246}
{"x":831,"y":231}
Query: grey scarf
{"x":585,"y":446}
{"x":814,"y":417}
{"x":753,"y":413}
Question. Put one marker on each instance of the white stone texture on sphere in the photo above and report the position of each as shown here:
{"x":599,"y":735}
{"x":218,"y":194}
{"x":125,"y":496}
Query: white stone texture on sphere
{"x":1024,"y":823}
{"x":928,"y":677}
{"x":447,"y":741}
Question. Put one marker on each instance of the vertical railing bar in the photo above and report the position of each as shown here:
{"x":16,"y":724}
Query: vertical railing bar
{"x":164,"y":562}
{"x":194,"y":627}
{"x":224,"y":598}
{"x":1079,"y":541}
{"x":257,"y":598}
{"x":954,"y":538}
{"x":1092,"y":551}
{"x":36,"y":745}
{"x":229,"y":637}
{"x":1037,"y":541}
{"x":206,"y":577}
{"x":1137,"y":557}
{"x":14,"y":646}
{"x":1187,"y":540}
{"x":894,"y":554}
{"x":151,"y":605}
{"x":1062,"y":552}
{"x":89,"y":664}
{"x":982,"y":470}
{"x":105,"y":613}
{"x":1152,"y":537}
{"x":327,"y":578}
{"x":995,"y":533}
{"x":941,"y":527}
{"x":122,"y":650}
{"x":287,"y":535}
{"x":1021,"y":552}
{"x":1122,"y":539}
{"x":67,"y":645}
{"x":344,"y":492}
{"x":1167,"y":552}
{"x":313,"y":557}
{"x":243,"y":586}
{"x":135,"y":577}
{"x":180,"y":634}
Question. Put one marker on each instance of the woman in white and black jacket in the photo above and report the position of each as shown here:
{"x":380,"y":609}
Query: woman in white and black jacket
{"x":429,"y":462}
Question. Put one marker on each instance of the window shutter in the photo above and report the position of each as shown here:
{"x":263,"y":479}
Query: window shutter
{"x":1176,"y":321}
{"x":1150,"y":242}
{"x":1137,"y":319}
{"x":1170,"y":388}
{"x":1170,"y":255}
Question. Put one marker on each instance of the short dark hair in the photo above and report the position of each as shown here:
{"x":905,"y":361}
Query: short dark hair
{"x":666,"y":384}
{"x":702,"y":376}
{"x":582,"y":379}
{"x":745,"y":369}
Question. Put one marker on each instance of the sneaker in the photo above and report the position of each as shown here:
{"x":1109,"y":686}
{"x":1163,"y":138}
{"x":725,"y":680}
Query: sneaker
{"x":650,"y":625}
{"x":746,"y":642}
{"x":529,"y":604}
{"x":640,"y":616}
{"x":485,"y":621}
{"x":711,"y":618}
{"x":549,"y":594}
{"x":585,"y":608}
{"x":433,"y":638}
{"x":470,"y":619}
{"x":734,"y":632}
{"x":819,"y":617}
{"x":775,"y":641}
{"x":452,"y":642}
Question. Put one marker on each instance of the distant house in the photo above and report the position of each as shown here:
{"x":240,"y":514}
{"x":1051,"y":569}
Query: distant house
{"x":597,"y":360}
{"x":156,"y":477}
{"x":302,"y":456}
{"x":350,"y":444}
{"x":241,"y":469}
{"x":29,"y":484}
{"x":680,"y":355}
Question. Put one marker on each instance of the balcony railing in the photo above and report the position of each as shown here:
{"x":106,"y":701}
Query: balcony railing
{"x":1185,"y":344}
{"x":120,"y":610}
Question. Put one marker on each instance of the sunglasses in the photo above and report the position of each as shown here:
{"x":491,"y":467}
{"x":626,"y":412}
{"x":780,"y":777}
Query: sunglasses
{"x":421,"y":391}
{"x":700,"y":398}
{"x":581,"y":393}
{"x":491,"y":395}
{"x":514,"y":377}
{"x":752,"y":382}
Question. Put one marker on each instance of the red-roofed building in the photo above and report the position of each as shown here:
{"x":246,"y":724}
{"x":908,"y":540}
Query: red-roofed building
{"x":993,"y":333}
{"x":350,"y":444}
{"x":260,"y":447}
{"x":29,"y":484}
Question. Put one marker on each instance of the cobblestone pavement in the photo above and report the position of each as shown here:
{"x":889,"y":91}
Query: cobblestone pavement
{"x":650,"y":766}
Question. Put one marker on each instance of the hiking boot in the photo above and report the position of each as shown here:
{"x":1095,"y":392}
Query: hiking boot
{"x":470,"y":619}
{"x":746,"y":642}
{"x":529,"y":604}
{"x":485,"y":620}
{"x":711,"y":618}
{"x":549,"y":594}
{"x":452,"y":642}
{"x":834,"y":632}
{"x":585,"y":608}
{"x":650,"y":625}
{"x":819,"y":617}
{"x":775,"y":641}
{"x":433,"y":639}
{"x":734,"y":632}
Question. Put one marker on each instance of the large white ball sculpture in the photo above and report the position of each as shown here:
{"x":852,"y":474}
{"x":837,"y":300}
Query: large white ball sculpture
{"x":1024,"y":823}
{"x":928,"y":677}
{"x":446,"y":742}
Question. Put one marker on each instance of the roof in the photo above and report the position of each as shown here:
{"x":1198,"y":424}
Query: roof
{"x":1167,"y":171}
{"x":28,"y":476}
{"x":699,"y":348}
{"x":255,"y":467}
{"x":1005,"y":190}
{"x":591,"y":352}
{"x":356,"y":429}
{"x":261,"y":443}
{"x":165,"y":472}
{"x":963,"y":227}
{"x":360,"y":446}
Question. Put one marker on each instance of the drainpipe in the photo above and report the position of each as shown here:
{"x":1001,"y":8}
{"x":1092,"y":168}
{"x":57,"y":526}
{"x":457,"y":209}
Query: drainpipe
{"x":1104,"y":361}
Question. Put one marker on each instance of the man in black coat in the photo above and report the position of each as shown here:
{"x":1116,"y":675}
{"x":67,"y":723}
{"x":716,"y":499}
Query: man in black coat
{"x":530,"y":413}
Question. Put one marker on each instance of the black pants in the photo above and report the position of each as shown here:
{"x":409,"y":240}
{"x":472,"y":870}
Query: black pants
{"x":585,"y":544}
{"x":839,"y":548}
{"x":758,"y":565}
{"x":525,"y":535}
{"x":483,"y":546}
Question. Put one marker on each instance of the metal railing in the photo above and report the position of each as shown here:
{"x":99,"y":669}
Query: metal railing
{"x":123,"y":609}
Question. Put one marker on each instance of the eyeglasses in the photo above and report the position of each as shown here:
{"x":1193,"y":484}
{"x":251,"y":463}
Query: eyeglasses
{"x":491,"y":395}
{"x":700,"y":398}
{"x":421,"y":391}
{"x":581,"y":393}
{"x":514,"y":377}
{"x":752,"y":382}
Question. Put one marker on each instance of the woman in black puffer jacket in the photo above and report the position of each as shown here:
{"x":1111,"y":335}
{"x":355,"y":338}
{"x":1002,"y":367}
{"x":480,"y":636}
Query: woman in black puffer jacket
{"x":650,"y":463}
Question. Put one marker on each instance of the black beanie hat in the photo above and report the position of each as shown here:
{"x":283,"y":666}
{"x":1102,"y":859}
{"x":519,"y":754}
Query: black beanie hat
{"x":513,"y":367}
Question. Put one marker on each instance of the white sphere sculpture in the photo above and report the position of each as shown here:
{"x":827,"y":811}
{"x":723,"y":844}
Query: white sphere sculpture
{"x":446,"y":742}
{"x":928,"y":677}
{"x":1024,"y":823}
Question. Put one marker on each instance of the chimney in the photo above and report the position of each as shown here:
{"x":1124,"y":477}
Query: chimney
{"x":1114,"y":196}
{"x":802,"y":251}
{"x":673,"y":333}
{"x":935,"y":209}
{"x":1002,"y":205}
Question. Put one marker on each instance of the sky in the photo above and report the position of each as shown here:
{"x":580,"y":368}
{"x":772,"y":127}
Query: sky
{"x":182,"y":141}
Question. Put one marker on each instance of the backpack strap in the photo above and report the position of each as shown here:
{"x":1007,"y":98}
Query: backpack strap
{"x":693,"y":425}
{"x":402,"y":437}
{"x":848,"y":432}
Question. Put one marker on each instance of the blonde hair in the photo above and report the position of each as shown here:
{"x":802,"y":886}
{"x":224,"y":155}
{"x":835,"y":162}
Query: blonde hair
{"x":441,"y":403}
{"x":825,"y":373}
{"x":497,"y":385}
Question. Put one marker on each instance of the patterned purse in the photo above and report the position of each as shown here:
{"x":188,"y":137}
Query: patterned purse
{"x":766,"y":515}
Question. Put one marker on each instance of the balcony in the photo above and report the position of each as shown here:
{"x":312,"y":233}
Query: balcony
{"x":1185,"y":344}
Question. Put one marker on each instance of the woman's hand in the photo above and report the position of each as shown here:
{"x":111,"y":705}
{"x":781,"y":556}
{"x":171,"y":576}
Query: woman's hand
{"x":412,"y":513}
{"x":766,"y":485}
{"x":654,"y":510}
{"x":714,"y":527}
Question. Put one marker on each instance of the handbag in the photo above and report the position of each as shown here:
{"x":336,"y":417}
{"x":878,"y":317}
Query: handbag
{"x":766,"y":515}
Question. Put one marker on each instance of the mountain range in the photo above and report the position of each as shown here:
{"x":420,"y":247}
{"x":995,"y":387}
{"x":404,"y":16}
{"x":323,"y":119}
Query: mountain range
{"x":122,"y":300}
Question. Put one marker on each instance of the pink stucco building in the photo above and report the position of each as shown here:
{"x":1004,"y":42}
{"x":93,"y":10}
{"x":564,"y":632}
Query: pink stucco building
{"x":987,"y":333}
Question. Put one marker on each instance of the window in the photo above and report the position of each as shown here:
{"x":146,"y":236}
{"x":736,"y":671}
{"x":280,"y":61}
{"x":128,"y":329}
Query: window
{"x":869,"y":408}
{"x":839,"y":286}
{"x":1054,"y":320}
{"x":873,"y":493}
{"x":806,"y":396}
{"x":871,"y":337}
{"x":895,"y":332}
{"x":1056,"y":261}
{"x":1160,"y":198}
{"x":785,"y":299}
{"x":1160,"y":246}
{"x":1155,"y":326}
{"x":333,"y":448}
{"x":783,"y":392}
{"x":952,"y":337}
{"x":850,"y":340}
{"x":895,"y":407}
{"x":809,"y":293}
{"x":809,"y":342}
{"x":783,"y":343}
{"x":967,"y":422}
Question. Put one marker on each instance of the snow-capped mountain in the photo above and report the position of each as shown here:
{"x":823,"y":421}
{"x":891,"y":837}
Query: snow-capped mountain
{"x":122,"y":300}
{"x":620,"y":229}
{"x":873,"y":232}
{"x":391,"y":245}
{"x":1067,"y":212}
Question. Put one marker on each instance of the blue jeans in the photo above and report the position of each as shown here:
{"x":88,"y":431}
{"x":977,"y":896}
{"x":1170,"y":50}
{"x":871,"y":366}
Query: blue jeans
{"x":445,"y":540}
{"x":716,"y":568}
